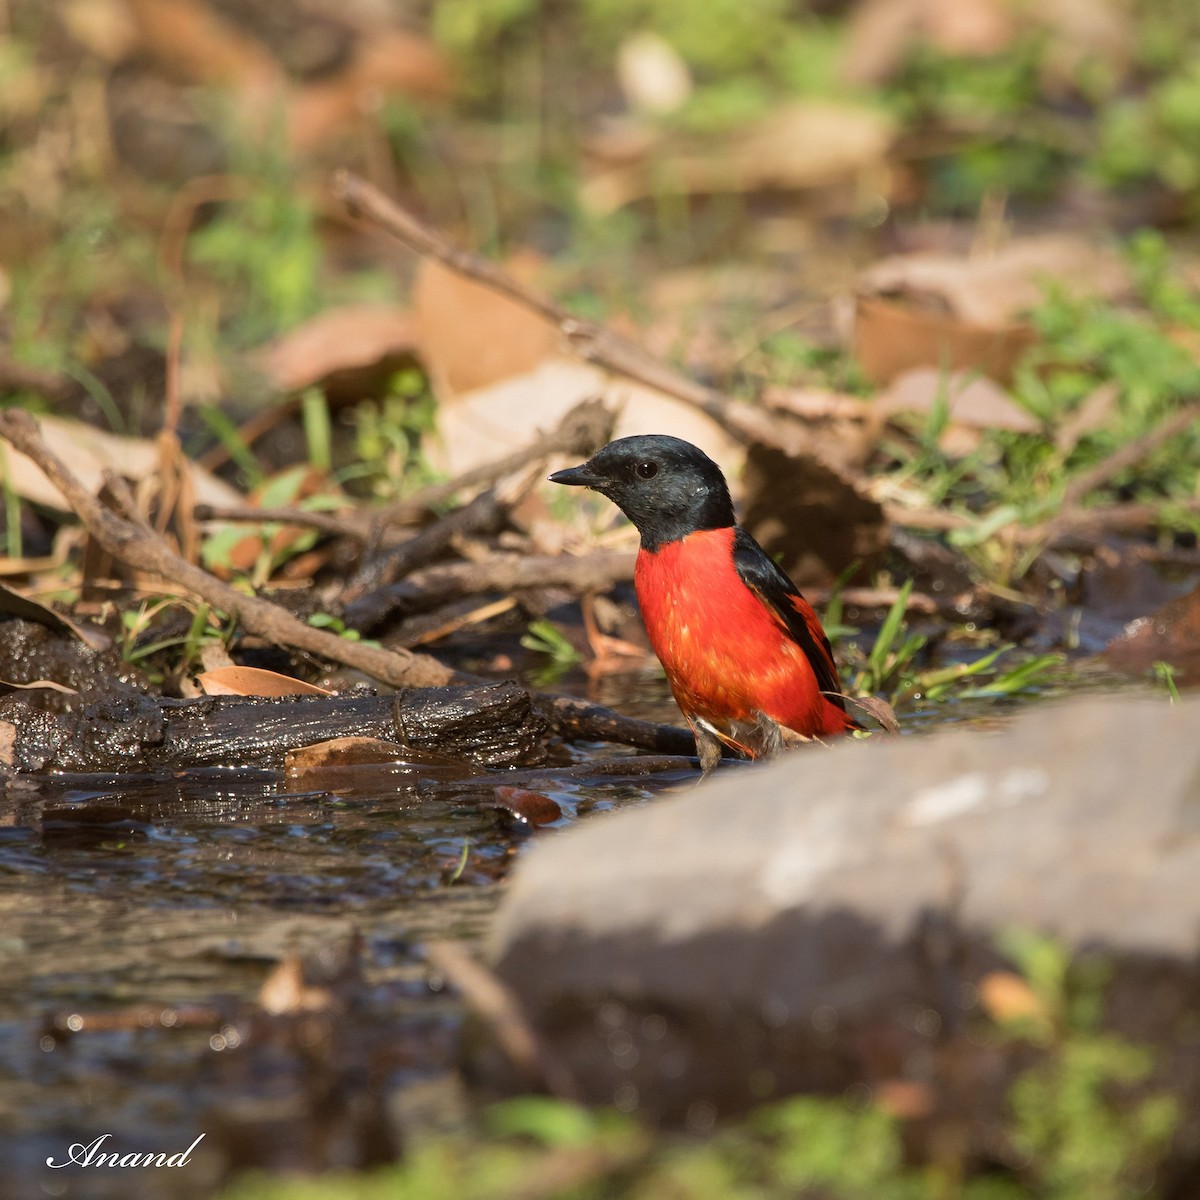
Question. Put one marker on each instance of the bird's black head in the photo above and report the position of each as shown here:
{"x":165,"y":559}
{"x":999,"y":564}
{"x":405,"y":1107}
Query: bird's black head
{"x":664,"y":485}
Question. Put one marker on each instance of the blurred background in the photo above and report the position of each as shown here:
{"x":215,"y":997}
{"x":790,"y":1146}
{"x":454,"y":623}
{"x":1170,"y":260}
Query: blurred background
{"x":715,"y":177}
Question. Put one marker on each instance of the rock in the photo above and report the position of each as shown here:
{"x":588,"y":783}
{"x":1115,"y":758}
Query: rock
{"x":824,"y":922}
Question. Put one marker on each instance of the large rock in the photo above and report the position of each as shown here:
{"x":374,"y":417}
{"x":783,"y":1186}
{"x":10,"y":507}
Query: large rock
{"x":822,"y":922}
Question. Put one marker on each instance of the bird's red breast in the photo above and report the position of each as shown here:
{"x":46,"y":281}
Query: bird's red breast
{"x":727,"y":653}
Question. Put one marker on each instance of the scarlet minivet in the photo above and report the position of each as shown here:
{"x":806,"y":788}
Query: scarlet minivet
{"x":744,"y":653}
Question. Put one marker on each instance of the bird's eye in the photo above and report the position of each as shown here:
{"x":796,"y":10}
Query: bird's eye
{"x":646,"y":470}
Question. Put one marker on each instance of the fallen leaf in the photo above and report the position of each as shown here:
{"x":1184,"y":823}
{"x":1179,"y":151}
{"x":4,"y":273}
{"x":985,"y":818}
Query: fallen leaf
{"x":806,"y":144}
{"x":89,"y":452}
{"x":201,"y":47}
{"x":1171,"y":634}
{"x":479,"y":426}
{"x":891,"y":338}
{"x":877,"y":708}
{"x":530,"y":808}
{"x":13,"y":604}
{"x":344,"y":752}
{"x":996,"y":289}
{"x":356,"y":342}
{"x":254,"y":681}
{"x":883,"y":32}
{"x":103,"y":27}
{"x":389,"y":62}
{"x":1005,"y":997}
{"x":973,"y":403}
{"x":470,"y":335}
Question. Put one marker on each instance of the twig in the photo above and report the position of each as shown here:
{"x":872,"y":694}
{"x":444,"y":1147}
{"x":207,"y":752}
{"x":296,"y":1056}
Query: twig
{"x":494,"y":1003}
{"x":137,"y":545}
{"x":354,"y":525}
{"x":590,"y":341}
{"x":435,"y":586}
{"x":1129,"y":454}
{"x":582,"y":430}
{"x":484,"y":514}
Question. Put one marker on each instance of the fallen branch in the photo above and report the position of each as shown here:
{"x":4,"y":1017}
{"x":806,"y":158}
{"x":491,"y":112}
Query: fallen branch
{"x":484,"y":514}
{"x":142,"y":548}
{"x":354,"y":525}
{"x":490,"y":724}
{"x":435,"y":586}
{"x":592,"y":342}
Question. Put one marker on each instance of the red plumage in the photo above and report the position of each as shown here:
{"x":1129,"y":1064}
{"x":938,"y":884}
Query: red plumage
{"x":727,"y":652}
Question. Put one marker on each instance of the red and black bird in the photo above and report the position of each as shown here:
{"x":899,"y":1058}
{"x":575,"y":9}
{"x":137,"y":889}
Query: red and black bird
{"x":744,"y":652}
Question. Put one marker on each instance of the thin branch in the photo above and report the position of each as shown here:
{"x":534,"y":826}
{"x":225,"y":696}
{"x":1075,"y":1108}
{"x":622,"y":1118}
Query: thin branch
{"x":435,"y":586}
{"x":139,"y":546}
{"x":494,"y":1003}
{"x":590,"y":341}
{"x":582,"y":430}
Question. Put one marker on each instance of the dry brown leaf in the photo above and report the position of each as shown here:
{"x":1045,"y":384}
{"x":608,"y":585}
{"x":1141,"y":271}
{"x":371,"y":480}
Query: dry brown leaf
{"x":995,"y":290}
{"x":353,"y":339}
{"x":882,"y":33}
{"x":971,"y":399}
{"x":878,"y":709}
{"x":89,"y":452}
{"x":390,"y":62}
{"x":816,"y":519}
{"x":188,"y":37}
{"x":806,"y":144}
{"x":477,"y":427}
{"x":343,"y":752}
{"x":470,"y":335}
{"x":1170,"y":634}
{"x":531,"y":808}
{"x":14,"y":604}
{"x":254,"y":681}
{"x":104,"y":27}
{"x":968,"y":28}
{"x":1005,"y":996}
{"x":891,"y":338}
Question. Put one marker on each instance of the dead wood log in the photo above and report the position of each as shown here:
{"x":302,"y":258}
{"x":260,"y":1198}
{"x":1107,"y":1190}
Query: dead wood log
{"x":490,"y":725}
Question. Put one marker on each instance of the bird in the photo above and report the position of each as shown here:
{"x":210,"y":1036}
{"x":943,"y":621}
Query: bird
{"x":745,"y":655}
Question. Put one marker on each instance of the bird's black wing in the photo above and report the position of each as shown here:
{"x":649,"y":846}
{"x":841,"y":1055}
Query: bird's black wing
{"x":781,"y":596}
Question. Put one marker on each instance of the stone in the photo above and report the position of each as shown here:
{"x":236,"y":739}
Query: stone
{"x":823,"y":922}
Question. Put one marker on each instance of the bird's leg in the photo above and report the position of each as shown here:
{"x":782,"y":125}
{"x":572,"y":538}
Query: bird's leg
{"x":708,"y":746}
{"x":767,"y":736}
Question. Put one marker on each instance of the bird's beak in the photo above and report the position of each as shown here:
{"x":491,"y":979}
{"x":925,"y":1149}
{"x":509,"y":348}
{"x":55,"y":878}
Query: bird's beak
{"x":576,"y":477}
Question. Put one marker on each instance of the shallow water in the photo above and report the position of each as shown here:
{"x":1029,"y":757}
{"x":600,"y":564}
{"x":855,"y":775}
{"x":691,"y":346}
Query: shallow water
{"x":140,"y":916}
